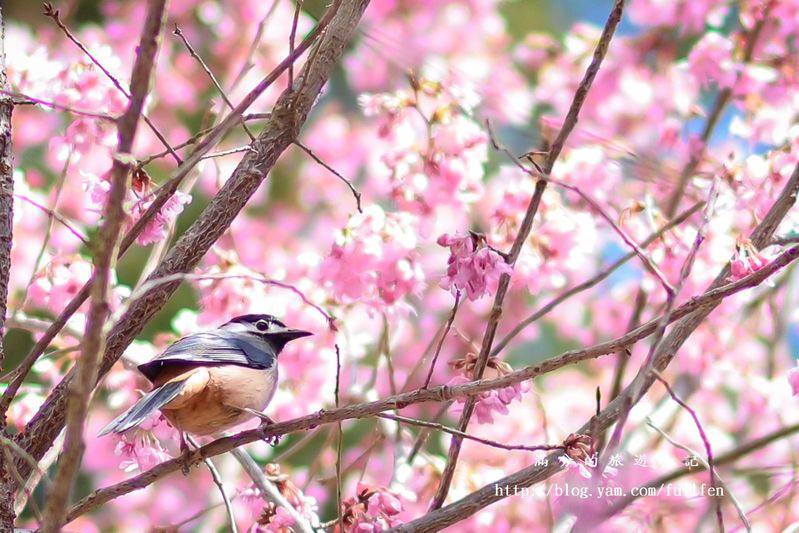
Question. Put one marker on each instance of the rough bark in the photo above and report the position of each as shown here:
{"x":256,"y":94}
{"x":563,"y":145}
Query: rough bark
{"x":7,"y":514}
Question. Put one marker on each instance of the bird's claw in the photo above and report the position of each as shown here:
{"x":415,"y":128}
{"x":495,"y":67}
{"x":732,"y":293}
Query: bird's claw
{"x":272,"y":440}
{"x":185,"y":465}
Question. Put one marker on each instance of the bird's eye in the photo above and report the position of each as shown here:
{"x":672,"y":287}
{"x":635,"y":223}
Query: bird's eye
{"x":262,"y":325}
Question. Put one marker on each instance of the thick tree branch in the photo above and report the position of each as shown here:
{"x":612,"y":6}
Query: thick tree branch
{"x":7,"y":514}
{"x":93,"y":342}
{"x":524,"y":230}
{"x":289,"y":113}
{"x":6,"y":190}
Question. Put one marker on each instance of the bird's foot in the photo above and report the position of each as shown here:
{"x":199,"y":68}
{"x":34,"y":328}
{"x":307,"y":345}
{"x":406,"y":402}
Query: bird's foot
{"x":185,"y":464}
{"x":266,"y":421}
{"x":184,"y":455}
{"x":272,"y":440}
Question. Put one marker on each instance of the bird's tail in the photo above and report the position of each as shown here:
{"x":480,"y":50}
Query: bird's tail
{"x":151,"y":401}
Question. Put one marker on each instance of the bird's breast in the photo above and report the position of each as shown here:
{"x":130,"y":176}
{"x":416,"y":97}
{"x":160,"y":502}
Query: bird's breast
{"x":216,"y":405}
{"x":241,"y":386}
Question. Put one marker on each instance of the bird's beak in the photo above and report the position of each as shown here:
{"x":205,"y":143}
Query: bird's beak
{"x":288,"y":334}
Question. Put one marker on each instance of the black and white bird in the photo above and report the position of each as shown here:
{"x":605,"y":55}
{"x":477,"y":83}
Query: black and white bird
{"x":211,"y":381}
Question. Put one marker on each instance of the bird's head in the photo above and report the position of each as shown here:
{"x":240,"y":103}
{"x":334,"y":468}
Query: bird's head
{"x":266,"y":327}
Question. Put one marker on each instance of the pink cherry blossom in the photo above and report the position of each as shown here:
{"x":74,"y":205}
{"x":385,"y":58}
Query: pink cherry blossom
{"x":473,"y":267}
{"x":746,"y":260}
{"x":155,"y":230}
{"x":711,"y":61}
{"x":793,"y":380}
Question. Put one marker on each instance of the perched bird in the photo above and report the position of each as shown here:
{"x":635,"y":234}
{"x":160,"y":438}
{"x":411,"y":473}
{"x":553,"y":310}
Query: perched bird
{"x":208,"y":382}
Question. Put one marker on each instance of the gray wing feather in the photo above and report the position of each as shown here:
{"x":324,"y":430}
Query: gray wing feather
{"x":151,"y":401}
{"x":212,"y":348}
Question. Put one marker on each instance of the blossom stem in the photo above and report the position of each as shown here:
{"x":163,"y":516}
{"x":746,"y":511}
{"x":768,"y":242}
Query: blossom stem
{"x":441,"y":339}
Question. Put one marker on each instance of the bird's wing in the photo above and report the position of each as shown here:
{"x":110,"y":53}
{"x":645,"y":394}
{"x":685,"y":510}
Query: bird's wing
{"x":144,"y":407}
{"x":211,"y":348}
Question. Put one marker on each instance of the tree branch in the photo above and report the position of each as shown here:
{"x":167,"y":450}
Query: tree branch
{"x":437,"y":394}
{"x":93,"y":342}
{"x":524,"y":230}
{"x":7,"y":480}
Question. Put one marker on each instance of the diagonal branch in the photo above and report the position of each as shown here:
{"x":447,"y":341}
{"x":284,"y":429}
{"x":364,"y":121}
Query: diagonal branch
{"x":162,"y":196}
{"x":93,"y":342}
{"x":436,"y":394}
{"x":524,"y":230}
{"x":289,"y":113}
{"x":6,"y":192}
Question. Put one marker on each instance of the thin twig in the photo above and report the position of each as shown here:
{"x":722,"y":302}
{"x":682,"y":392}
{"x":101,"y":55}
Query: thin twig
{"x":422,"y":437}
{"x":718,"y":479}
{"x":339,"y":443}
{"x":268,"y":490}
{"x":24,"y":99}
{"x":292,"y":37}
{"x":705,"y":441}
{"x":349,"y":184}
{"x":53,"y":14}
{"x":51,"y":213}
{"x":223,"y":153}
{"x":59,"y":187}
{"x":259,"y":32}
{"x":217,"y":479}
{"x":441,"y":339}
{"x":521,"y":237}
{"x":154,"y":283}
{"x":487,"y":442}
{"x":177,"y":31}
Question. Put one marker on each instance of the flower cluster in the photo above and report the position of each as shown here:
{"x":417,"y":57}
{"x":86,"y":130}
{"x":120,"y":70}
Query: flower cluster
{"x":373,"y":259}
{"x":432,"y":153}
{"x":490,"y":402}
{"x":473,"y":267}
{"x":371,"y":510}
